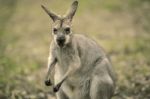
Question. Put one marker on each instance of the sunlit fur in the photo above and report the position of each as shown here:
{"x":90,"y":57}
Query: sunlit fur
{"x":82,"y":69}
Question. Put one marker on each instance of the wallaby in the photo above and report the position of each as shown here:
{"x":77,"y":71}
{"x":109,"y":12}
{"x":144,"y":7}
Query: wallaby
{"x":82,"y":69}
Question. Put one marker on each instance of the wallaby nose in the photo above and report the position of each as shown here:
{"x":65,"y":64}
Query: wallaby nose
{"x":61,"y":39}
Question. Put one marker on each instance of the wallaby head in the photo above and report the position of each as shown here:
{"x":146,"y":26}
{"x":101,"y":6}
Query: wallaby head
{"x":61,"y":28}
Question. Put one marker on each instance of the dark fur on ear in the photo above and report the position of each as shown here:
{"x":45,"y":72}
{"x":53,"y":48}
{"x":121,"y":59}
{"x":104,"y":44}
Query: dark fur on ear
{"x":72,"y":10}
{"x":51,"y":14}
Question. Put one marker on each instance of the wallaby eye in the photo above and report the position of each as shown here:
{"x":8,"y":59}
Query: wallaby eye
{"x":55,"y":31}
{"x":67,"y":30}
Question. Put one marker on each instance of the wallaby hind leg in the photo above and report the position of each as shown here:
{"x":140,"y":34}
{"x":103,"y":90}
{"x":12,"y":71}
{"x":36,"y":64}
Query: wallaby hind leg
{"x":102,"y":85}
{"x":101,"y":89}
{"x":81,"y":93}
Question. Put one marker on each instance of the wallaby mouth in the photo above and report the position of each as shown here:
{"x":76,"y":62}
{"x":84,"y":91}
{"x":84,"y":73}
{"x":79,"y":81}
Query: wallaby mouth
{"x":61,"y":42}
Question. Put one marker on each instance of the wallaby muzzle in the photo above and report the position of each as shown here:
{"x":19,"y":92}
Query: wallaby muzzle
{"x":61,"y":41}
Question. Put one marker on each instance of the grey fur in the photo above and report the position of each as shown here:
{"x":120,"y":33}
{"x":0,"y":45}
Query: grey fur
{"x":82,"y":69}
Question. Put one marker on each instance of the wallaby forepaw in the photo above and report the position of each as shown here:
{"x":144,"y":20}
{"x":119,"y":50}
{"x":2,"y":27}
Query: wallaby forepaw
{"x":48,"y":83}
{"x":56,"y":88}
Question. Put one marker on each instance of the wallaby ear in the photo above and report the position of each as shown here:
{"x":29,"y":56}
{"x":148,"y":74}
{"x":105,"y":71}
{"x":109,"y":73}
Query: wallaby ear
{"x":51,"y":14}
{"x":72,"y":10}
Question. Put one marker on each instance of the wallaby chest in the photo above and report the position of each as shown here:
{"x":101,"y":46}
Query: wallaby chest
{"x":65,"y":57}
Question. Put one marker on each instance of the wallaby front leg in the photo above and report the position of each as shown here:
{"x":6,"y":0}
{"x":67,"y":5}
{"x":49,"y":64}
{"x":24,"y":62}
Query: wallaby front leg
{"x":57,"y":86}
{"x":51,"y":64}
{"x":71,"y":70}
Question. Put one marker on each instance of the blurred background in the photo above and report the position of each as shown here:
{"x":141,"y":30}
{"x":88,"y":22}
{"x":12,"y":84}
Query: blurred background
{"x":121,"y":27}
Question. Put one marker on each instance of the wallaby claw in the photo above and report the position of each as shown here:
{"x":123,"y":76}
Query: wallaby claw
{"x":48,"y":82}
{"x":56,"y":88}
